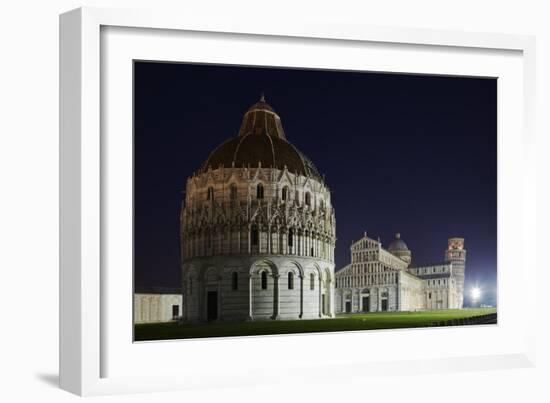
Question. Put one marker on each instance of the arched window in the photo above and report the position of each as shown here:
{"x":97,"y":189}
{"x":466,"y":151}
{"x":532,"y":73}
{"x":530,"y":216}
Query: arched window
{"x":322,"y":204}
{"x":233,"y":192}
{"x":290,"y":280}
{"x":254,"y":236}
{"x":234,"y":281}
{"x":290,"y":237}
{"x":260,"y":191}
{"x":264,"y":280}
{"x":308,"y":199}
{"x":210,"y":194}
{"x":284,"y":194}
{"x":312,"y":281}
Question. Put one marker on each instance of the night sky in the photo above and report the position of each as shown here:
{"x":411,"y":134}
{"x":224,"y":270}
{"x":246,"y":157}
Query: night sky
{"x":401,"y":153}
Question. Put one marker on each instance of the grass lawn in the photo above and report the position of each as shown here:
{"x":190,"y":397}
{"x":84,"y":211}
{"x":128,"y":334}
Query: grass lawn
{"x":344,"y":322}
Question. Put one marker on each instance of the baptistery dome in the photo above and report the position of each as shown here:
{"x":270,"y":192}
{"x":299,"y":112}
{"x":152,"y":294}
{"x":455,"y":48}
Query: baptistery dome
{"x":257,"y":229}
{"x":261,"y":142}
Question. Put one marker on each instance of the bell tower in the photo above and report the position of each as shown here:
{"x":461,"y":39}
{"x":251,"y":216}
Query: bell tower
{"x":456,"y":254}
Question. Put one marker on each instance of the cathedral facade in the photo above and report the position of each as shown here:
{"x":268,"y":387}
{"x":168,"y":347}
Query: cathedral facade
{"x":379,"y":279}
{"x":257,"y":230}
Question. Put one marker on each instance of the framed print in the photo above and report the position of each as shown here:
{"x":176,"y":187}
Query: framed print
{"x":234,"y":192}
{"x":257,"y":251}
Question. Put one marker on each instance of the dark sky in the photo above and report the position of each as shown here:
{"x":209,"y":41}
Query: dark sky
{"x":401,"y":153}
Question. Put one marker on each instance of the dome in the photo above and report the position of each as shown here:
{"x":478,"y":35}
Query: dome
{"x":397,"y":244}
{"x":261,"y":141}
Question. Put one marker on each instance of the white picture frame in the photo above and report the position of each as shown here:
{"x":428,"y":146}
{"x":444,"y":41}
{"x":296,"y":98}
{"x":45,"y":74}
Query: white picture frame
{"x":87,"y":349}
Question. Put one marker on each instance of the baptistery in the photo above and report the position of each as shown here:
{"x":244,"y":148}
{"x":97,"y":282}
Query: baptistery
{"x":257,"y":230}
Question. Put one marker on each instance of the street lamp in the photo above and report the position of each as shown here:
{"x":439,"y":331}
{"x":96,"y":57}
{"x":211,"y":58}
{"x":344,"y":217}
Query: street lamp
{"x":475,"y":293}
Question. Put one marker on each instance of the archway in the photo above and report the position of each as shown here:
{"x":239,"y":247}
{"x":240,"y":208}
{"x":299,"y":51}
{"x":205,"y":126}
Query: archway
{"x":326,"y":293}
{"x":384,"y":300}
{"x":291,"y":290}
{"x":211,"y":295}
{"x":263,"y":290}
{"x":365,"y":300}
{"x":311,"y":292}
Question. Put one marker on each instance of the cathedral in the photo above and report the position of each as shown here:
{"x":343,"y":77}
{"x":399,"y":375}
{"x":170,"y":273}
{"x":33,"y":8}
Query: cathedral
{"x":379,"y":279}
{"x":257,"y":230}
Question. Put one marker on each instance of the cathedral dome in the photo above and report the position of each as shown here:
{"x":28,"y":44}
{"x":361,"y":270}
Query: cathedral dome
{"x":397,"y":244}
{"x":261,"y":141}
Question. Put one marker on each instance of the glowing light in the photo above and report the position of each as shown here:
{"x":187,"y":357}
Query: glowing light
{"x":475,"y":293}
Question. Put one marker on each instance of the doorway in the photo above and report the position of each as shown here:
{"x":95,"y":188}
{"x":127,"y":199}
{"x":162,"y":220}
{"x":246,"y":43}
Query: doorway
{"x":366,"y":304}
{"x":384,"y":304}
{"x":323,"y":306}
{"x":212,"y":305}
{"x":175,"y":311}
{"x":348,"y":306}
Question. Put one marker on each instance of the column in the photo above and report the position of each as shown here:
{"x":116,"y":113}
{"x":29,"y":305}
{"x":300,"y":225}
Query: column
{"x":317,"y":246}
{"x":331,"y":299}
{"x":320,"y":295}
{"x":269,"y":239}
{"x":220,"y":303}
{"x":275,"y":296}
{"x":239,"y":229}
{"x":398,"y":296}
{"x":301,"y":295}
{"x":250,"y":278}
{"x":249,"y":234}
{"x":317,"y":254}
{"x":201,"y":311}
{"x":184,"y":300}
{"x":229,"y":239}
{"x":259,"y":238}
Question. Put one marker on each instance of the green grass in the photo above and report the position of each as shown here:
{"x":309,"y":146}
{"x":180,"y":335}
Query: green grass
{"x":345,"y":322}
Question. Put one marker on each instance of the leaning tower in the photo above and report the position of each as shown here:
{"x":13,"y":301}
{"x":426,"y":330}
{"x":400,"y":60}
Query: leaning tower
{"x":456,"y":254}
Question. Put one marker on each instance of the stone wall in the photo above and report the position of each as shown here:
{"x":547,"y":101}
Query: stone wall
{"x":412,"y":293}
{"x":150,"y":308}
{"x":275,"y":297}
{"x":223,"y":214}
